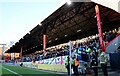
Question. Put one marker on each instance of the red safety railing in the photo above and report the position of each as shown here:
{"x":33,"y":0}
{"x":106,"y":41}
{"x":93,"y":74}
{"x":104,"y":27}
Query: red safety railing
{"x":113,"y":39}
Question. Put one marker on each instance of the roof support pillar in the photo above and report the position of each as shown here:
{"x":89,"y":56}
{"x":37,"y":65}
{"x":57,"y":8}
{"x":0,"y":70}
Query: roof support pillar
{"x":99,"y":28}
{"x":44,"y":43}
{"x":21,"y":54}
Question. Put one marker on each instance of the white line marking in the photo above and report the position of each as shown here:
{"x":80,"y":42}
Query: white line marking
{"x":11,"y":71}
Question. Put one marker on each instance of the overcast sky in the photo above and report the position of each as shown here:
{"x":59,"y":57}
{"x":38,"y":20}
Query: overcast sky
{"x":18,"y":18}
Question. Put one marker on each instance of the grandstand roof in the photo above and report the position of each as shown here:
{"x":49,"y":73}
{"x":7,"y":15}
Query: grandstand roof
{"x":69,"y":22}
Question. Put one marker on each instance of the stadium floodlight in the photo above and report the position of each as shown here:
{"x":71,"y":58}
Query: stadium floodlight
{"x":50,"y":41}
{"x":40,"y":24}
{"x":56,"y":38}
{"x":65,"y":35}
{"x":79,"y":30}
{"x":68,"y":2}
{"x":94,"y":16}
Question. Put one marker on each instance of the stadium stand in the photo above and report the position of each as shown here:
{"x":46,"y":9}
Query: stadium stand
{"x":76,"y":23}
{"x":81,"y":20}
{"x":80,"y":46}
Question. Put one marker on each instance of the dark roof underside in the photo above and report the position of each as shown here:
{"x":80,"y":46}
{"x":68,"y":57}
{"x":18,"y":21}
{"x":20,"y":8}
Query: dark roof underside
{"x":67,"y":23}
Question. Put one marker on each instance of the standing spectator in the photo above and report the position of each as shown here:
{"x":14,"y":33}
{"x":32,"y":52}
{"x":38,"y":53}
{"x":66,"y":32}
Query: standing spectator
{"x":94,"y":63}
{"x":67,"y":65}
{"x":103,"y":62}
{"x":75,"y":66}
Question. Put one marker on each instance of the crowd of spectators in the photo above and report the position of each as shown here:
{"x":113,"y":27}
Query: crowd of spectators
{"x":83,"y":47}
{"x":30,"y":58}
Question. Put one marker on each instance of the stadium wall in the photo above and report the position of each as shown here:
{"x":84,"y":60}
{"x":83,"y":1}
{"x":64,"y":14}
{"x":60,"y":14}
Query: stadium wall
{"x":53,"y":67}
{"x":52,"y":64}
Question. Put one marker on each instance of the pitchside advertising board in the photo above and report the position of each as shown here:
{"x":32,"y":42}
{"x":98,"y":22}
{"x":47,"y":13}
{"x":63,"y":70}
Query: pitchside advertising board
{"x":57,"y":60}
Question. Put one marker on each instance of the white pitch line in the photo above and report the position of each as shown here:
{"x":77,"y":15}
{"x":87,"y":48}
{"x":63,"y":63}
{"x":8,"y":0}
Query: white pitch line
{"x":11,"y":71}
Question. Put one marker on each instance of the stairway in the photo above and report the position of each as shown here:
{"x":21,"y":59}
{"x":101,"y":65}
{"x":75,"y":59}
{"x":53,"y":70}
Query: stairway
{"x":113,"y":45}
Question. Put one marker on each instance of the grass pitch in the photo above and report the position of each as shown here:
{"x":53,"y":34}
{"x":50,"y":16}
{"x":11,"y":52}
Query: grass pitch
{"x":6,"y":70}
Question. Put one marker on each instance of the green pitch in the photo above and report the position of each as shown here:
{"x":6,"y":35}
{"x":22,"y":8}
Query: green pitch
{"x":6,"y":70}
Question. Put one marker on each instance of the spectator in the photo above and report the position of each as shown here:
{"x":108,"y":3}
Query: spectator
{"x":103,"y":62}
{"x":94,"y":63}
{"x":75,"y":66}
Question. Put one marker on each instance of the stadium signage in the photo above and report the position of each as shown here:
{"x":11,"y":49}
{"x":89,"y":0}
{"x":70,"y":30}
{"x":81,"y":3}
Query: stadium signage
{"x":57,"y":60}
